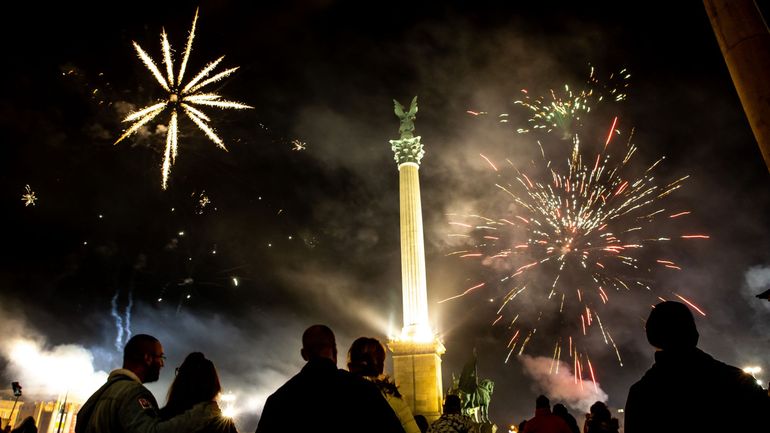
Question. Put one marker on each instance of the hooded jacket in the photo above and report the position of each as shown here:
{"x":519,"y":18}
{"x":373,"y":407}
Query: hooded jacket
{"x":546,"y":422}
{"x":688,"y":390}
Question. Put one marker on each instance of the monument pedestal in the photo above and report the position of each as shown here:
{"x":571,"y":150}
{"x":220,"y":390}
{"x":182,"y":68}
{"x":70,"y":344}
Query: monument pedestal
{"x":417,"y":372}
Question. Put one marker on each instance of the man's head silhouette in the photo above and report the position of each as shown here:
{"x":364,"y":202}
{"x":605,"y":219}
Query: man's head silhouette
{"x":671,"y":326}
{"x":144,"y":356}
{"x":318,"y":342}
{"x":452,"y":404}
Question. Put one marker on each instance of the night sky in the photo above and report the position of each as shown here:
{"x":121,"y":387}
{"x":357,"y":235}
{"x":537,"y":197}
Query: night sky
{"x":312,"y":235}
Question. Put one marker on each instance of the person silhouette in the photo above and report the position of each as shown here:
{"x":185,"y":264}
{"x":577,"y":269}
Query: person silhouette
{"x":452,"y":420}
{"x":366,"y":358}
{"x":687,"y":389}
{"x":544,"y":421}
{"x":196,"y":381}
{"x":600,"y":420}
{"x":322,"y":397}
{"x":561,"y":411}
{"x":26,"y":426}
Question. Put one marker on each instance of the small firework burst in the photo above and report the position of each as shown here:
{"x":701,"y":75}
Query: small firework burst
{"x":298,"y":145}
{"x":203,"y":200}
{"x":563,"y":110}
{"x":180,"y":98}
{"x":29,"y":197}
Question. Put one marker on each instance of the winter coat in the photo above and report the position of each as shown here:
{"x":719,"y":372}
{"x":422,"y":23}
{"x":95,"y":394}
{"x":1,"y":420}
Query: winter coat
{"x":546,"y":422}
{"x":688,"y":390}
{"x":124,"y":405}
{"x":323,"y":398}
{"x":601,"y":426}
{"x":452,"y":423}
{"x":571,"y":422}
{"x":220,"y":424}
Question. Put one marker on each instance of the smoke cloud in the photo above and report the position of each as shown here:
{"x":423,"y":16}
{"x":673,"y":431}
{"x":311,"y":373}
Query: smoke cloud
{"x":45,"y":370}
{"x":251,"y":362}
{"x":561,"y":386}
{"x":757,"y":281}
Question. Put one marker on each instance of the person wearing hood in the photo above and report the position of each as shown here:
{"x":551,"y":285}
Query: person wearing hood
{"x":687,"y":389}
{"x":544,"y":421}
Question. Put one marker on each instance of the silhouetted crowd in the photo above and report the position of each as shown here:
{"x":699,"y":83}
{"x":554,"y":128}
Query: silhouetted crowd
{"x":599,"y":420}
{"x":686,"y":390}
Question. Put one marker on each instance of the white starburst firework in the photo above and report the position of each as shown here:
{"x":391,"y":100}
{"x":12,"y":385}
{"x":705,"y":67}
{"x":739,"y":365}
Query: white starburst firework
{"x":181,"y":97}
{"x":28,"y":197}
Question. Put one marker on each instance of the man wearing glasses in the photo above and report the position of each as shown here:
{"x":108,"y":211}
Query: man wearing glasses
{"x":124,"y":405}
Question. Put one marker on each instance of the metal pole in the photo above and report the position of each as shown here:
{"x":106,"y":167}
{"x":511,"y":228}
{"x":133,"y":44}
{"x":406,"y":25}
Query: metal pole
{"x":12,"y":409}
{"x":61,"y":413}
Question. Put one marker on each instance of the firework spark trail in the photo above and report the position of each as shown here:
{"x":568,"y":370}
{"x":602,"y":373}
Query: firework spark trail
{"x":464,"y":293}
{"x":180,"y":97}
{"x":587,"y":225}
{"x":553,"y":358}
{"x":609,"y":134}
{"x":685,"y":300}
{"x":489,"y":162}
{"x":593,"y":376}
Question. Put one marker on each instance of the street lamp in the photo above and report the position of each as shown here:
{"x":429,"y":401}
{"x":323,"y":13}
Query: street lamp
{"x":17,"y":393}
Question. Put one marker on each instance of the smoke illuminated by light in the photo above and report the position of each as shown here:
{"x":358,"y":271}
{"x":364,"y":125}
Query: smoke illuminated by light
{"x":754,"y":372}
{"x":180,"y":98}
{"x":53,"y":371}
{"x":560,"y":383}
{"x":229,"y":409}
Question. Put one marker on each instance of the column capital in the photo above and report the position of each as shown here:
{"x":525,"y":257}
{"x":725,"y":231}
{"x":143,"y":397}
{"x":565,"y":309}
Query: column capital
{"x":407,"y":150}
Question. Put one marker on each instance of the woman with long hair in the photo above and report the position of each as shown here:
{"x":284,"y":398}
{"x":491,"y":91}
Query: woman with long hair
{"x":196,"y":381}
{"x":366,"y":358}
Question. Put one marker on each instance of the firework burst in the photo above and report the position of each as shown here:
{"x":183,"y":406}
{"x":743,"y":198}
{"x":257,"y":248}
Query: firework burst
{"x":572,"y":240}
{"x":180,"y":98}
{"x":29,"y":197}
{"x":563,"y":110}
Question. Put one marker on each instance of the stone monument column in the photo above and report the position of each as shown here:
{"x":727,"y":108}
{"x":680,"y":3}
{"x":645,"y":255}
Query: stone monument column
{"x":416,"y":351}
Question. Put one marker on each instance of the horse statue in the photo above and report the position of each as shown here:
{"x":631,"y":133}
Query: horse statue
{"x":475,"y":395}
{"x":478,"y":400}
